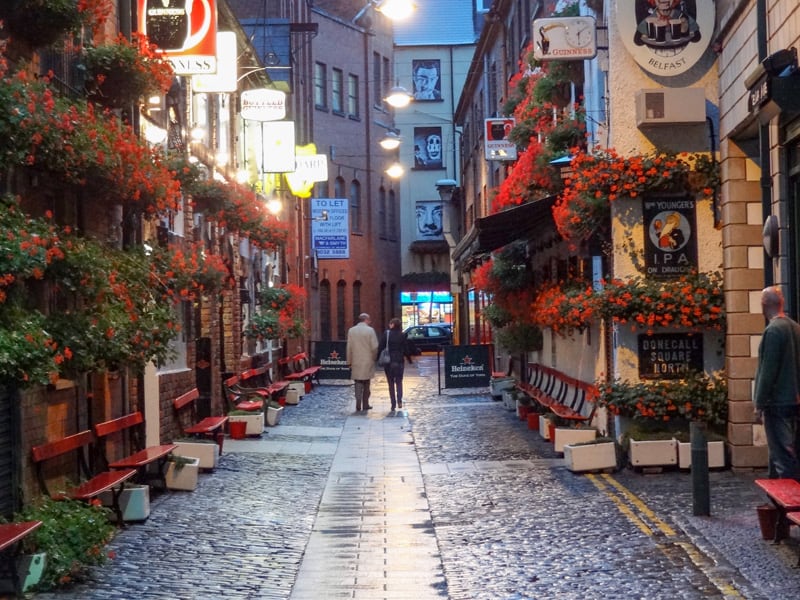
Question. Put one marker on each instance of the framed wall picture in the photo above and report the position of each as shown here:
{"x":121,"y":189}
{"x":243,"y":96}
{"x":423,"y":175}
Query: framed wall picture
{"x":429,"y":220}
{"x":428,"y":148}
{"x":426,"y":75}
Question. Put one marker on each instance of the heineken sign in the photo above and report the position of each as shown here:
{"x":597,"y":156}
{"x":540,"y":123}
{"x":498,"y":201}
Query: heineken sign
{"x":332,"y":359}
{"x":467,"y":366}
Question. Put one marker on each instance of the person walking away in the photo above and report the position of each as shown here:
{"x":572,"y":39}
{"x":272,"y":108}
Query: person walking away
{"x":776,"y":385}
{"x":400,"y":349}
{"x":362,"y":351}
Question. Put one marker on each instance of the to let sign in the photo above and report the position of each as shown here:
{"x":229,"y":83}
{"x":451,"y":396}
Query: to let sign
{"x":670,"y":355}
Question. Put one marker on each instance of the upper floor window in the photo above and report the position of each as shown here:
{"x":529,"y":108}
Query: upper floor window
{"x":355,"y":206}
{"x":338,"y":188}
{"x":337,"y":91}
{"x":377,"y":87}
{"x":392,"y":216}
{"x":352,"y":96}
{"x":382,"y":212}
{"x":320,"y":85}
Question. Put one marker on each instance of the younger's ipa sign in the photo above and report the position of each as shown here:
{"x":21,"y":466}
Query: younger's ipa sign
{"x":467,"y":366}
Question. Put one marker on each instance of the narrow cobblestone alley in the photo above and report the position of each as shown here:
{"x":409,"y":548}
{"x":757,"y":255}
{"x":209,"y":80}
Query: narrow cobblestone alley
{"x":454,"y":499}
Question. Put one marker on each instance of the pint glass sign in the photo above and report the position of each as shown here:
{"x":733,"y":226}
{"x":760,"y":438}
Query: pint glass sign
{"x":184,"y":31}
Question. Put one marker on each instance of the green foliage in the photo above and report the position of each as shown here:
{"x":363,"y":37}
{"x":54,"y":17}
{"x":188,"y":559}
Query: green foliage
{"x":73,"y":534}
{"x":520,"y":337}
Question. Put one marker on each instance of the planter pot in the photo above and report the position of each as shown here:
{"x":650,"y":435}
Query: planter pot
{"x":134,"y":502}
{"x":497,"y":385}
{"x":716,"y":455}
{"x":653,"y":453}
{"x":564,"y":436}
{"x":206,"y":453}
{"x":274,"y":415}
{"x":308,"y":386}
{"x":184,"y":478}
{"x":292,"y":397}
{"x":590,"y":457}
{"x":522,"y":412}
{"x":297,"y":386}
{"x":533,"y":421}
{"x":509,"y":401}
{"x":544,"y":427}
{"x":254,"y":423}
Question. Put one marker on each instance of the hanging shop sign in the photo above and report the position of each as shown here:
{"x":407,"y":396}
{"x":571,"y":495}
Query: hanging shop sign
{"x":277,"y":147}
{"x":224,"y":80}
{"x":497,"y":146}
{"x":564,"y":38}
{"x":670,"y":355}
{"x":309,"y":168}
{"x":330,"y":227}
{"x":670,"y":241}
{"x":184,"y":32}
{"x":263,"y":105}
{"x":666,"y":37}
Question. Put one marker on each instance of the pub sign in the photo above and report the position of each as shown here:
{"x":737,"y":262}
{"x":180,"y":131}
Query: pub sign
{"x":670,"y":355}
{"x":670,"y":236}
{"x":467,"y":366}
{"x":332,"y":360}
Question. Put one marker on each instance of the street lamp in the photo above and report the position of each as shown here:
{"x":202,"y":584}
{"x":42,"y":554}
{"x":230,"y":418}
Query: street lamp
{"x":393,"y":9}
{"x":399,"y":97}
{"x":446,"y":189}
{"x":391,"y":141}
{"x":395,"y":171}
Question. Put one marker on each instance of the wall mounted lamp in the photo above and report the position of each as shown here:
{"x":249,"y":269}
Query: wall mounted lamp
{"x":448,"y":190}
{"x":399,"y":97}
{"x":323,"y":216}
{"x":393,"y":9}
{"x":395,"y":171}
{"x":391,"y":141}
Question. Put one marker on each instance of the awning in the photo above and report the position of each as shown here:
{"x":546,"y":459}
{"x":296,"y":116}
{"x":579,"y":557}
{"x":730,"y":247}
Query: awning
{"x":527,"y":221}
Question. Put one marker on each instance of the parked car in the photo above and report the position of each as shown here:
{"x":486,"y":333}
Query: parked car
{"x":430,"y":337}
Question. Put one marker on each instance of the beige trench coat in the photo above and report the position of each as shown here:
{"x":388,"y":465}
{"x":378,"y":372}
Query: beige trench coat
{"x":362,"y":351}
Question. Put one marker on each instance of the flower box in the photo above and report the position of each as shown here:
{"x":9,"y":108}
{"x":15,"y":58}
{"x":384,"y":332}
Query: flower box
{"x":134,"y":501}
{"x":274,"y":415}
{"x":653,"y":453}
{"x":590,"y":457}
{"x":205,"y":452}
{"x":716,"y":455}
{"x":297,"y":386}
{"x":183,"y":477}
{"x":254,"y":422}
{"x":497,"y":385}
{"x":509,"y":401}
{"x":544,"y":427}
{"x":571,"y":435}
{"x":292,"y":397}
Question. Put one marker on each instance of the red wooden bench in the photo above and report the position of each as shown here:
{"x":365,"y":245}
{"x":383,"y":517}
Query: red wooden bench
{"x":93,"y":486}
{"x":209,"y":427}
{"x":143,"y":456}
{"x":570,"y":399}
{"x":297,"y":368}
{"x":239,"y":399}
{"x":785,"y":495}
{"x":11,"y":534}
{"x":258,"y":381}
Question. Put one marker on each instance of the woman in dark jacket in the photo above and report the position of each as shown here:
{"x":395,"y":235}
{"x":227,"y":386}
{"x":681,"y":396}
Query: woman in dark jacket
{"x":399,"y":349}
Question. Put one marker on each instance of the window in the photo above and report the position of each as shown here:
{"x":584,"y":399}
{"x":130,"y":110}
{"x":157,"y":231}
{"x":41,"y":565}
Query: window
{"x":321,"y":85}
{"x":337,"y":93}
{"x":341,"y":327}
{"x":338,"y":188}
{"x":356,"y":300}
{"x":355,"y":207}
{"x":325,"y":309}
{"x":392,"y":216}
{"x":387,"y":78}
{"x":352,"y":96}
{"x":382,"y":212}
{"x":178,"y":344}
{"x":377,"y":87}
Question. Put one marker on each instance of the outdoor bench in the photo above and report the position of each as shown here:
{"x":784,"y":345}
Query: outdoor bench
{"x":93,"y":486}
{"x":209,"y":427}
{"x":241,"y":400}
{"x":785,"y":496}
{"x":258,"y":380}
{"x":11,"y":534}
{"x":569,"y":398}
{"x":297,"y":368}
{"x":143,"y":456}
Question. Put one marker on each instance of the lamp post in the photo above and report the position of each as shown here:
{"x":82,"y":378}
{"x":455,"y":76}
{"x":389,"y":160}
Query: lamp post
{"x":393,"y":9}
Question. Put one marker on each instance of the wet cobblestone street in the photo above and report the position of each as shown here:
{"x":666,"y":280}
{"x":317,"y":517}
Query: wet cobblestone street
{"x":509,"y":521}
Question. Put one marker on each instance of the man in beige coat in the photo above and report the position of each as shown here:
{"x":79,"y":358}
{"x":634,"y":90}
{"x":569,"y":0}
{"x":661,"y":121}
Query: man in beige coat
{"x":362,"y":351}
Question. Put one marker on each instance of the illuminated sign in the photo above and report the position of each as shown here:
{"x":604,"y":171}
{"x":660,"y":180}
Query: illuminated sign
{"x":224,"y":80}
{"x":497,"y":146}
{"x":184,"y":31}
{"x":263,"y":105}
{"x":564,"y":38}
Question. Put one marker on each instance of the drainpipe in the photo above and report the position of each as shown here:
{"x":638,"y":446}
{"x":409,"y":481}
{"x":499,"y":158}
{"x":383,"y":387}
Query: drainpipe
{"x":763,"y":139}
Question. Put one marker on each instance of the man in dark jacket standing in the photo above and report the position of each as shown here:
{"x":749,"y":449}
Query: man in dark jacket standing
{"x":776,"y":385}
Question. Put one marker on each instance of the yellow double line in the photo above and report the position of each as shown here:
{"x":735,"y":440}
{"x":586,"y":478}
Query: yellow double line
{"x":649,"y":523}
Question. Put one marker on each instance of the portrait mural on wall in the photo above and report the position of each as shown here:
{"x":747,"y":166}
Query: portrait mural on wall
{"x":426,"y":76}
{"x":429,"y":220}
{"x":428,"y":148}
{"x":666,"y":37}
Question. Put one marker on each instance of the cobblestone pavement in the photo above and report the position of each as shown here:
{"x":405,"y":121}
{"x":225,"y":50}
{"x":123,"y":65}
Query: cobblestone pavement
{"x":509,"y":520}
